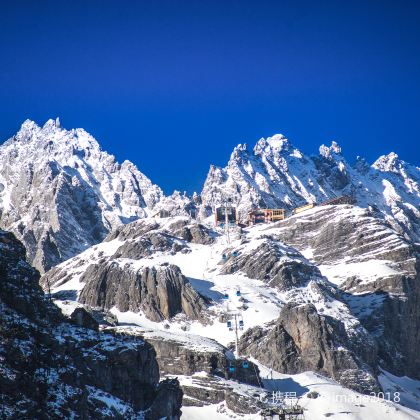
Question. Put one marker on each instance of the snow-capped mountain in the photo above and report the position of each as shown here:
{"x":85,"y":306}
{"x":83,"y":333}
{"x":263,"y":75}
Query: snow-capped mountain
{"x":326,"y":297}
{"x":60,"y":193}
{"x":277,"y":174}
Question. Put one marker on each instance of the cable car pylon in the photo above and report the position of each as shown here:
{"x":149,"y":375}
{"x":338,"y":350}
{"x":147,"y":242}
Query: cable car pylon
{"x":236,"y":325}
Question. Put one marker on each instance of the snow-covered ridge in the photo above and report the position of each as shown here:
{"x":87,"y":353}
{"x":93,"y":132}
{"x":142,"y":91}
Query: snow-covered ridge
{"x":122,"y":187}
{"x":277,"y":174}
{"x":60,"y":193}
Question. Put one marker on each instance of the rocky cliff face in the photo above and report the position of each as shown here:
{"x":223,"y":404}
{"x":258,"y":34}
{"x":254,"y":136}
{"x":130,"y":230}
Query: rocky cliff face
{"x":302,"y":339}
{"x":276,"y":174}
{"x":160,"y":292}
{"x":179,"y":356}
{"x":52,"y":368}
{"x":206,"y":366}
{"x":316,"y":329}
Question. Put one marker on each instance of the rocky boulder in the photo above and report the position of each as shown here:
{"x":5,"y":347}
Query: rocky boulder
{"x":83,"y":318}
{"x":160,"y":292}
{"x":192,"y":232}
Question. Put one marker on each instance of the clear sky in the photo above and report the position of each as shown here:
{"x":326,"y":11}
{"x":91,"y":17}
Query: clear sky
{"x":175,"y":85}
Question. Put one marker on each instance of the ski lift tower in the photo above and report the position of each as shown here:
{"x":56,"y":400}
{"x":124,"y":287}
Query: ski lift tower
{"x":225,"y":204}
{"x":238,"y":324}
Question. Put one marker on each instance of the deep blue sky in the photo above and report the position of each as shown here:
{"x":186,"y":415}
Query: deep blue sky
{"x":175,"y":85}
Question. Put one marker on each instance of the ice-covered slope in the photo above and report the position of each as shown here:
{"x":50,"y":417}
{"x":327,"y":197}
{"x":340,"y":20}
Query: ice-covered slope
{"x":276,"y":174}
{"x":60,"y":193}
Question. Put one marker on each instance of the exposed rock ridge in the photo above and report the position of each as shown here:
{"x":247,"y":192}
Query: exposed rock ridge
{"x":60,"y":193}
{"x":48,"y":365}
{"x":277,"y":174}
{"x":302,"y":339}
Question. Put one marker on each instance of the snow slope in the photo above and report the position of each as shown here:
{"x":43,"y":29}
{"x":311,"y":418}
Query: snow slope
{"x":333,"y":402}
{"x":202,"y":266}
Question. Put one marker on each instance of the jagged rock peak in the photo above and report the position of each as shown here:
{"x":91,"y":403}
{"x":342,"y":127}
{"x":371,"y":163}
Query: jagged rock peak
{"x":239,"y":151}
{"x":55,"y":136}
{"x":388,"y":163}
{"x":26,"y":131}
{"x":277,"y":174}
{"x":272,"y":145}
{"x":61,"y":193}
{"x":329,"y":152}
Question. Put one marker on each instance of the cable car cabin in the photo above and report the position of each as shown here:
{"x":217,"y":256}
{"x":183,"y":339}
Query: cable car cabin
{"x":303,"y":208}
{"x":265,"y":216}
{"x":220,"y":215}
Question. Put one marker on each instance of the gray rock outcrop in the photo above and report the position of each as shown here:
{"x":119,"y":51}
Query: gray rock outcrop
{"x":148,"y":244}
{"x":160,"y":292}
{"x":182,"y":228}
{"x":192,"y":232}
{"x":302,"y":339}
{"x":83,"y":318}
{"x":193,"y":354}
{"x":208,"y":365}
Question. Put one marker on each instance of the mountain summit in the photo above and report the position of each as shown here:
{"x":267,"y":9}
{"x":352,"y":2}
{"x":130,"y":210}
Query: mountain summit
{"x":276,"y":174}
{"x":60,"y":193}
